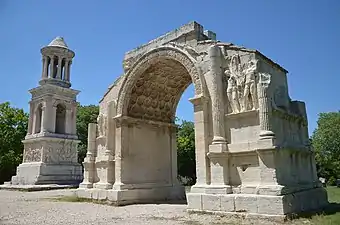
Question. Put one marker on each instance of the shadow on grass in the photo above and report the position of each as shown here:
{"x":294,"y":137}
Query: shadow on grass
{"x":330,"y":209}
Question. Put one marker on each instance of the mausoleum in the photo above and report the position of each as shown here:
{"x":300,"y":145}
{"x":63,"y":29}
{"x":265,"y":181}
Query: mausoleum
{"x":50,"y":147}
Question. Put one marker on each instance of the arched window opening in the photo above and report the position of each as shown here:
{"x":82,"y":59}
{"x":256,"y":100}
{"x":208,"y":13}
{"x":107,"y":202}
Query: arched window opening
{"x":60,"y":119}
{"x":38,"y":116}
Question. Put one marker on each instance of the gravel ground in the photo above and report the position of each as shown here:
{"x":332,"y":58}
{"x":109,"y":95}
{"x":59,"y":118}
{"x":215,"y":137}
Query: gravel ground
{"x":35,"y":208}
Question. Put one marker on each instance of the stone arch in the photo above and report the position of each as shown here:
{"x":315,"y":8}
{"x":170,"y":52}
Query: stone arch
{"x":146,"y":147}
{"x":60,"y":120}
{"x":169,"y":58}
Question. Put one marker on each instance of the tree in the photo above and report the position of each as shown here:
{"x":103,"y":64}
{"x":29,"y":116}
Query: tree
{"x":326,"y":143}
{"x":186,"y":163}
{"x":85,"y":115}
{"x":13,"y":128}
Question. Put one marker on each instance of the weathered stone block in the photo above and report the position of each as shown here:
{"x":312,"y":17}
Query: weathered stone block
{"x":228,"y":203}
{"x":211,"y":202}
{"x":246,"y":203}
{"x":84,"y":193}
{"x":195,"y":201}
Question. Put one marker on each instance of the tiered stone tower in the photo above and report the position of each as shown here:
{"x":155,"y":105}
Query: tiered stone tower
{"x":50,"y":146}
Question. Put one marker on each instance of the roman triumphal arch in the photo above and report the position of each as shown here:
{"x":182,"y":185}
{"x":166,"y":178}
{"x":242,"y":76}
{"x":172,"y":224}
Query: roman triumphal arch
{"x":251,"y":140}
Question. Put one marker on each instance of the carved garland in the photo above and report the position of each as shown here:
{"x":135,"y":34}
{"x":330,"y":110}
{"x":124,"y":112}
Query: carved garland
{"x":146,"y":61}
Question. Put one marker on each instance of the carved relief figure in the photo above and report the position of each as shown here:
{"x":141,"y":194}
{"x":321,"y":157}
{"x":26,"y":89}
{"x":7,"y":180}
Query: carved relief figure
{"x":242,"y":82}
{"x":32,"y":153}
{"x":233,"y":94}
{"x":250,"y":85}
{"x":102,"y":125}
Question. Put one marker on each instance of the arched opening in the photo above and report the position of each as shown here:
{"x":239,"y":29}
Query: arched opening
{"x":151,"y":110}
{"x":186,"y":162}
{"x":156,"y":93}
{"x":60,"y":119}
{"x":37,"y":120}
{"x":153,"y":102}
{"x":146,"y":134}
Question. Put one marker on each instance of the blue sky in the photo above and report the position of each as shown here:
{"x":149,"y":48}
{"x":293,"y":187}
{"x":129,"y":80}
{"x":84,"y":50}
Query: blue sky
{"x":303,"y":36}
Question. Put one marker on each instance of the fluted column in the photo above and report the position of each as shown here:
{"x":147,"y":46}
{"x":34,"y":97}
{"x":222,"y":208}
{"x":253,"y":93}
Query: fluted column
{"x":214,"y":79}
{"x":264,"y":106}
{"x":52,"y":67}
{"x":60,"y":66}
{"x":218,"y":152}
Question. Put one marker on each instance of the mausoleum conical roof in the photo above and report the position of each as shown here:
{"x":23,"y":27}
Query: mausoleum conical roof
{"x":58,"y":42}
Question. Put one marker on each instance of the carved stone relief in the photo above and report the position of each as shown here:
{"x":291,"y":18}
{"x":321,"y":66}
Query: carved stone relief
{"x":102,"y":125}
{"x":61,"y":151}
{"x":157,"y":91}
{"x":32,"y":152}
{"x":242,"y":82}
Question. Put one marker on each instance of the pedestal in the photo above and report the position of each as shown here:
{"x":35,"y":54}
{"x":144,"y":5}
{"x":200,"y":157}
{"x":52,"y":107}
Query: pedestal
{"x":49,"y":160}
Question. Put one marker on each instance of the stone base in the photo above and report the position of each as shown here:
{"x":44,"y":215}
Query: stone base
{"x":134,"y":196}
{"x":38,"y":173}
{"x":42,"y":187}
{"x":261,"y":205}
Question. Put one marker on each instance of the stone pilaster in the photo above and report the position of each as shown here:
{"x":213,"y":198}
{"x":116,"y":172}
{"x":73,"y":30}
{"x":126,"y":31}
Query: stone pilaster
{"x":173,"y":142}
{"x":264,"y":106}
{"x":200,"y":104}
{"x":44,"y":120}
{"x":30,"y":119}
{"x":74,"y":119}
{"x":106,"y":162}
{"x":53,"y":118}
{"x":121,"y":152}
